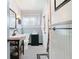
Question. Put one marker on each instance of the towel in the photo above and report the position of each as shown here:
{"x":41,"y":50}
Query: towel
{"x":26,"y":41}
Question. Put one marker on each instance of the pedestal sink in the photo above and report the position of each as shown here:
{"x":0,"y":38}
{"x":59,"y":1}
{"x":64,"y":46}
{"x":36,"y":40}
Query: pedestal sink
{"x":18,"y":44}
{"x":17,"y":37}
{"x":20,"y":37}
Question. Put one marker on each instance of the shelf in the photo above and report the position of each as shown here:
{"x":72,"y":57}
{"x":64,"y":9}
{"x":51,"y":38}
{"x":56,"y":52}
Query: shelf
{"x":16,"y":48}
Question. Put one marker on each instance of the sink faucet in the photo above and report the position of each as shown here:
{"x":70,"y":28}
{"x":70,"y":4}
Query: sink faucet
{"x":14,"y":32}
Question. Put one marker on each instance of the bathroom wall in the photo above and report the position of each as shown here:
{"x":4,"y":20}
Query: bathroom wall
{"x":62,"y":14}
{"x":30,"y":26}
{"x":44,"y":25}
{"x":61,"y":39}
{"x":12,"y":5}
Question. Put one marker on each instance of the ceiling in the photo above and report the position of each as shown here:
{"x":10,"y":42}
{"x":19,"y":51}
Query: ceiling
{"x":31,"y":4}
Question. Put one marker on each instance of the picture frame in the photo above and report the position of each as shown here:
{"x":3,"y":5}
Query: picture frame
{"x":60,"y":3}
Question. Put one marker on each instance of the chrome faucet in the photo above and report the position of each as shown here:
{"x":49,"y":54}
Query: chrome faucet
{"x":14,"y":32}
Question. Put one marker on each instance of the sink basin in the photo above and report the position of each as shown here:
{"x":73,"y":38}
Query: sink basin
{"x":17,"y":37}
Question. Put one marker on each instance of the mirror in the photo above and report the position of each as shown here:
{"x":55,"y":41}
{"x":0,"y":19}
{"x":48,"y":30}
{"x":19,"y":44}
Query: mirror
{"x":12,"y":20}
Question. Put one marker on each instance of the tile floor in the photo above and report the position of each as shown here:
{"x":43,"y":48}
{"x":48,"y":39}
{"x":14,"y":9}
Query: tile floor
{"x":32,"y":51}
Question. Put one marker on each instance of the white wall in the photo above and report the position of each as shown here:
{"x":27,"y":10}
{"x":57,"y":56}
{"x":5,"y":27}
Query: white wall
{"x":44,"y":25}
{"x":30,"y":26}
{"x":12,"y":5}
{"x":63,"y":14}
{"x":8,"y":50}
{"x":60,"y":42}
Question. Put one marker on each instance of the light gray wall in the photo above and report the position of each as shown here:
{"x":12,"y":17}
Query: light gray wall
{"x":29,"y":28}
{"x":8,"y":50}
{"x":62,"y":14}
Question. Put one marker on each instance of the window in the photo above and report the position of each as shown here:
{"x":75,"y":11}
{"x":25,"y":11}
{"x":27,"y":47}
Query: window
{"x":31,"y":21}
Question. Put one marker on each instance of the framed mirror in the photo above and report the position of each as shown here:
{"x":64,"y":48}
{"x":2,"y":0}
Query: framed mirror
{"x":12,"y":19}
{"x":60,"y":3}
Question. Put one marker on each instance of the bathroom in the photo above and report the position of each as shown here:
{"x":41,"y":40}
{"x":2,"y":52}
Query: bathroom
{"x":31,"y":29}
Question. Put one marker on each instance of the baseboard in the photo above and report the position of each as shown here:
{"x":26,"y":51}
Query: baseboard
{"x":38,"y":44}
